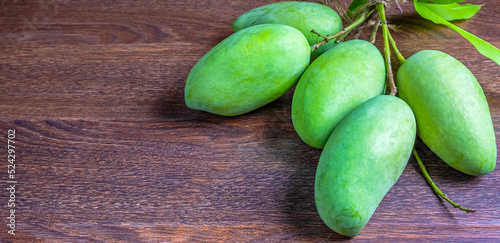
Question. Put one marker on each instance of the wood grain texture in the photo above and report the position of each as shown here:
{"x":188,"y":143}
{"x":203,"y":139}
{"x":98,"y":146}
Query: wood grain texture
{"x":107,"y":150}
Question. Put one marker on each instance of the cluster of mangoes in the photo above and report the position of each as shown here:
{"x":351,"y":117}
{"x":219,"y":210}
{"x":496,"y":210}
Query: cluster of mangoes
{"x":339,"y":104}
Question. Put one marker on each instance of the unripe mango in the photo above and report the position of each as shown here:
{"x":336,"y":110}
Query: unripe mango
{"x":362,"y":160}
{"x":247,"y":70}
{"x":453,"y":118}
{"x":304,"y":16}
{"x":333,"y":85}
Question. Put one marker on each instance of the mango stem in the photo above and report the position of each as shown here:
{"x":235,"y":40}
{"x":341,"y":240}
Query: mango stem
{"x":346,"y":30}
{"x":435,"y":188}
{"x":373,"y":35}
{"x":399,"y":6}
{"x":387,"y":51}
{"x":400,"y":57}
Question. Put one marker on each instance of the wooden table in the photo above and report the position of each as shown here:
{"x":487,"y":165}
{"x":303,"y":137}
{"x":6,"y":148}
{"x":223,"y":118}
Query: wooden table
{"x":106,"y":149}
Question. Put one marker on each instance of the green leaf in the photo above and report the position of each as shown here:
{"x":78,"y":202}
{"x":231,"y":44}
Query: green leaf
{"x":440,"y":1}
{"x":355,"y":6}
{"x":482,"y":46}
{"x":453,"y":11}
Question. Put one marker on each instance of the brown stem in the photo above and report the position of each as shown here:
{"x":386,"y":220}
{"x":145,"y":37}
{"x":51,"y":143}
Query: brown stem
{"x":399,"y":6}
{"x":373,"y":35}
{"x":387,"y":50}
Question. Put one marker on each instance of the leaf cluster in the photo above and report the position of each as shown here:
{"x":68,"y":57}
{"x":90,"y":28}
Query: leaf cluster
{"x":443,"y":13}
{"x":439,"y":12}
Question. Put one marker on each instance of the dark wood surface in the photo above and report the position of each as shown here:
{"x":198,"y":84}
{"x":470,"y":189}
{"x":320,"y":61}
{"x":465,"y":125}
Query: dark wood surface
{"x":106,"y":149}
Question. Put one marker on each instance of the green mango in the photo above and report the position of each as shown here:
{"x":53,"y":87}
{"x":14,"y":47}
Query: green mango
{"x":333,"y":85}
{"x":453,"y":118}
{"x":247,"y":70}
{"x":304,"y":16}
{"x":362,"y":160}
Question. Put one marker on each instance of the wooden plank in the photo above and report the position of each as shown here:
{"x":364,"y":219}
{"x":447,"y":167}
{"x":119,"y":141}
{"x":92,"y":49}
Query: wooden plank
{"x":112,"y":178}
{"x":107,"y":150}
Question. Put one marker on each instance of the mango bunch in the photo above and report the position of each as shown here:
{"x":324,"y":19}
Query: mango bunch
{"x":339,"y":104}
